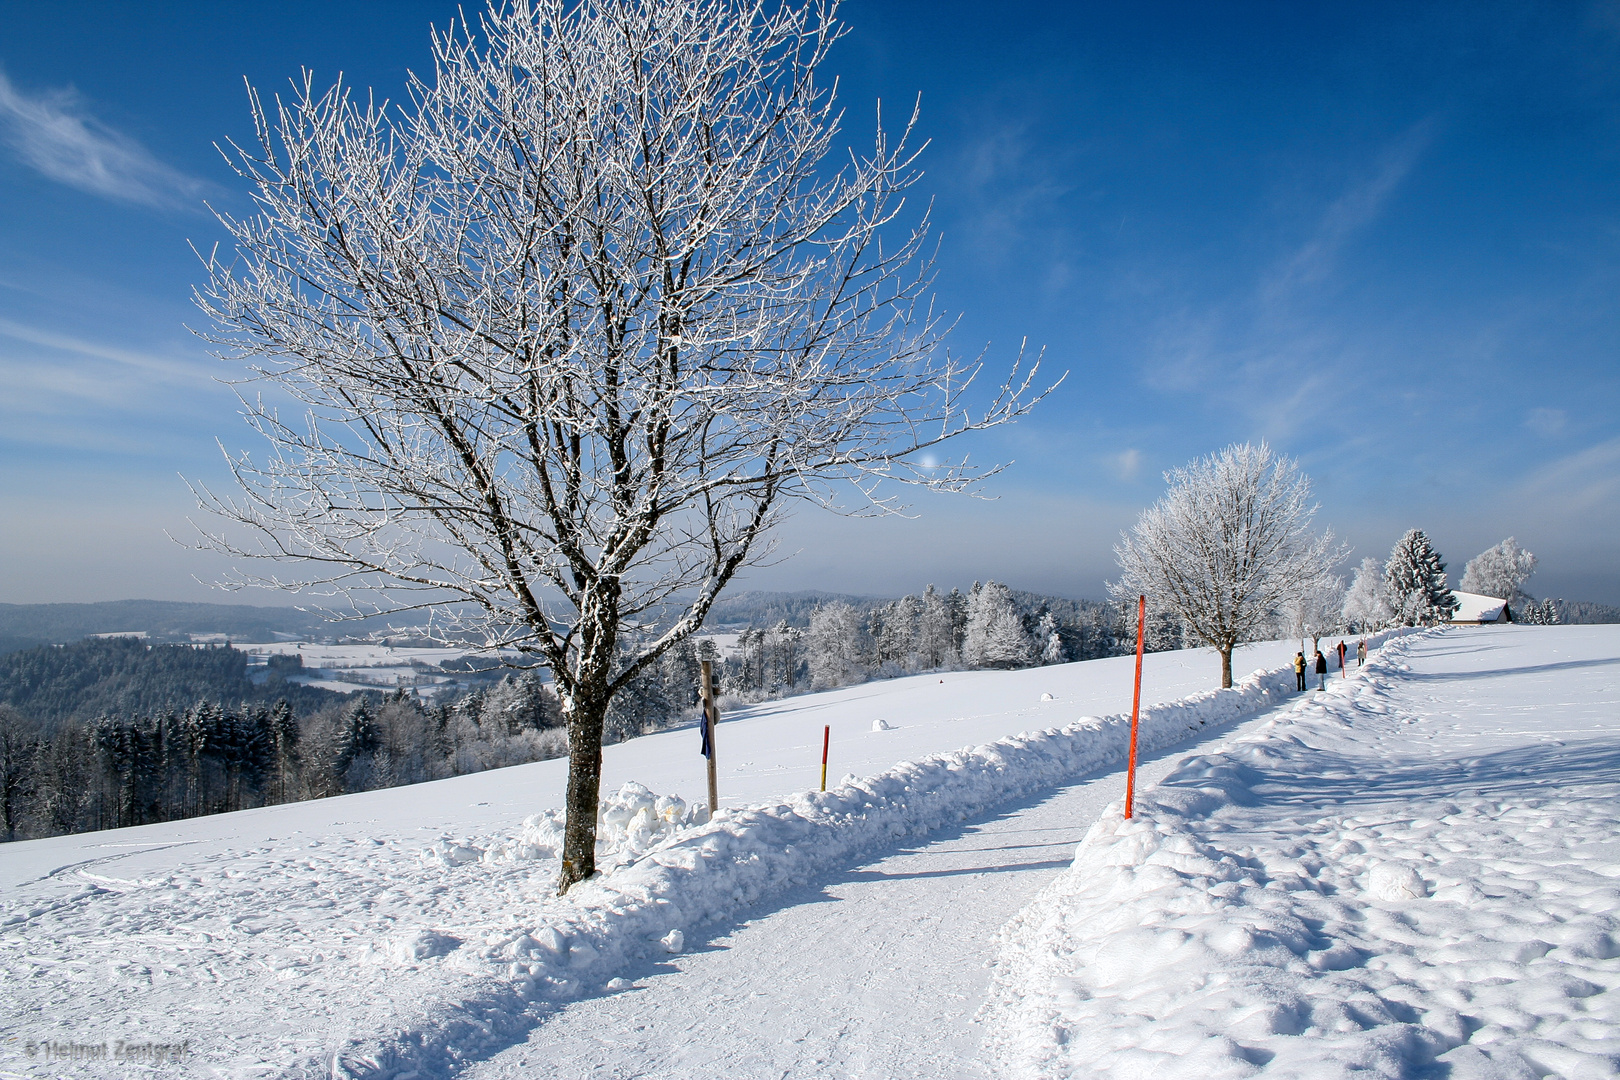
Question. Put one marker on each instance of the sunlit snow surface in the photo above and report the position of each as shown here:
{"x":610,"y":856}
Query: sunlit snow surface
{"x":1415,"y":874}
{"x":414,"y":929}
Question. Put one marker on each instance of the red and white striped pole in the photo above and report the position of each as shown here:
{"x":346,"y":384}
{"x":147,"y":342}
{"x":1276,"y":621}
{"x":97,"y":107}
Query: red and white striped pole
{"x":1136,"y":705}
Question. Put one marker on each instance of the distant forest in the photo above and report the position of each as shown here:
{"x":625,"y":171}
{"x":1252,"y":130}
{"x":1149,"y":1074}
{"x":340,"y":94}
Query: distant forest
{"x":105,"y":733}
{"x":124,"y":676}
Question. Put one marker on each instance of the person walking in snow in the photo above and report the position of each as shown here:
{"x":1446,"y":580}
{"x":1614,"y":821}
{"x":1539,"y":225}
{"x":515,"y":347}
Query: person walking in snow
{"x":1343,"y":672}
{"x":1321,"y":670}
{"x":1361,"y":652}
{"x":1299,"y":670}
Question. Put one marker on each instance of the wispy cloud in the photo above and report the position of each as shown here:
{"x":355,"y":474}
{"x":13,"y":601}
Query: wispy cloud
{"x":1579,"y":485}
{"x":1263,"y":349}
{"x":1127,"y":464}
{"x":54,"y":134}
{"x":1359,"y":206}
{"x":146,"y":364}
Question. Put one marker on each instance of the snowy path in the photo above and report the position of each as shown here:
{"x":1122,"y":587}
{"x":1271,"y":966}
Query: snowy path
{"x":876,"y":972}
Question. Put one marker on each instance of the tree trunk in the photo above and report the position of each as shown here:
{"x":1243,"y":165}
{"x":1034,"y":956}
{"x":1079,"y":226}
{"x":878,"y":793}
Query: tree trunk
{"x":585,"y":717}
{"x":585,"y":697}
{"x":1226,"y":668}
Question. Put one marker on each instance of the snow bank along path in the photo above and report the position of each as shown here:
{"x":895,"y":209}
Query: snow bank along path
{"x":1417,"y":873}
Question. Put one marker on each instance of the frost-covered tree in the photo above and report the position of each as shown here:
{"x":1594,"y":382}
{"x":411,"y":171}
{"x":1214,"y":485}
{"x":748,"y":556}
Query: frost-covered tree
{"x":894,"y":633}
{"x":1366,"y":605}
{"x":996,"y":637}
{"x":1500,"y":571}
{"x":1316,"y":609}
{"x":936,"y":643}
{"x":1225,"y":547}
{"x":573,"y":324}
{"x":1415,"y":578}
{"x":1051,"y":642}
{"x":836,"y":646}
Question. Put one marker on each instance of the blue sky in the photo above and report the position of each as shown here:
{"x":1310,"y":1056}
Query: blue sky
{"x":1384,"y":237}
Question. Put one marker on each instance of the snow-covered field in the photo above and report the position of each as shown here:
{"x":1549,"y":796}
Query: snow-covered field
{"x":414,"y":930}
{"x":351,"y":666}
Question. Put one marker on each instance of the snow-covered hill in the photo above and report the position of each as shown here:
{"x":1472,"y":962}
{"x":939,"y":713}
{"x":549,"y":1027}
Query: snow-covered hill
{"x":326,"y":927}
{"x":414,"y":930}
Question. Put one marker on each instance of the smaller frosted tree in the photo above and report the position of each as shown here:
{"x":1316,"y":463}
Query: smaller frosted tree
{"x":1366,"y":605}
{"x":1226,"y":547}
{"x":996,"y":637}
{"x":1500,"y":571}
{"x":836,"y":646}
{"x":1416,"y":579}
{"x":1316,"y":609}
{"x":1051,"y":642}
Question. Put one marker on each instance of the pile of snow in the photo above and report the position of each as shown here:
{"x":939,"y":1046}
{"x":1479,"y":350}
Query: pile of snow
{"x":629,"y":823}
{"x":1316,"y":904}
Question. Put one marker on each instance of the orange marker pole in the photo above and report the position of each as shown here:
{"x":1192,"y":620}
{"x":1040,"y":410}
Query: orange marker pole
{"x":826,"y":739}
{"x":1136,"y":705}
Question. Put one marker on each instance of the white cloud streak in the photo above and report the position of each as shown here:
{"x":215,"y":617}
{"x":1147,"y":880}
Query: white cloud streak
{"x":145,"y":363}
{"x":1354,"y":210}
{"x":53,"y":134}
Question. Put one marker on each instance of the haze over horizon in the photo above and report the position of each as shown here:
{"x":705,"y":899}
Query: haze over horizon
{"x":1384,"y":239}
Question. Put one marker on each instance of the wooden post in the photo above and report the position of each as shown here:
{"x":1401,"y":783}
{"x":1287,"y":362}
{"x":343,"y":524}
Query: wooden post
{"x":711,"y":718}
{"x":826,"y":740}
{"x":1136,"y":706}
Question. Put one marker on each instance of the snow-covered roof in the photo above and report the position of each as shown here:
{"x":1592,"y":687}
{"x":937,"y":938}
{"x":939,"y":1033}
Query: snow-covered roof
{"x":1474,"y":608}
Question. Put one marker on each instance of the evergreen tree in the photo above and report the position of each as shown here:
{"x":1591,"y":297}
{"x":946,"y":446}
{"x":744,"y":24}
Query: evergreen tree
{"x":1543,"y":613}
{"x":956,"y":605}
{"x":357,"y":745}
{"x":895,"y":636}
{"x":20,"y":746}
{"x":284,"y":743}
{"x":1415,"y":577}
